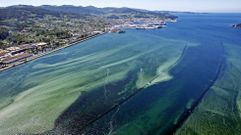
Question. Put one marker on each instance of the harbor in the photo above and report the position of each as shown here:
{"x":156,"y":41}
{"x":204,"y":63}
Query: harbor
{"x":140,"y":24}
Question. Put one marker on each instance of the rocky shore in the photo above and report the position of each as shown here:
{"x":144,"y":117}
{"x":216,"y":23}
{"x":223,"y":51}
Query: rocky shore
{"x":237,"y":25}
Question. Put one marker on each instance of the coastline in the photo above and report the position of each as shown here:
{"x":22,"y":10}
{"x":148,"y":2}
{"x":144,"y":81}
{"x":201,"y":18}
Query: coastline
{"x":35,"y":57}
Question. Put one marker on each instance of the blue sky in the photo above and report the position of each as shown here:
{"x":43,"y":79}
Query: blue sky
{"x":171,"y":5}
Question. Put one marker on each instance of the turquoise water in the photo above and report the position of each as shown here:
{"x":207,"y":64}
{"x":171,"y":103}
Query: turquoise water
{"x":99,"y":73}
{"x":140,"y":82}
{"x":160,"y":109}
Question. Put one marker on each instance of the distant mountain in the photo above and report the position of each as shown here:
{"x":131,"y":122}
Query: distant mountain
{"x":24,"y":11}
{"x":103,"y":11}
{"x":88,"y":9}
{"x":73,"y":9}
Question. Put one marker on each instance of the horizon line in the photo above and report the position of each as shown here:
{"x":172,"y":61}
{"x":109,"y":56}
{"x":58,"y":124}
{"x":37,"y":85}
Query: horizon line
{"x":177,"y":11}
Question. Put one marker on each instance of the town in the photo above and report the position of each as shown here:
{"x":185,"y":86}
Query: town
{"x":44,"y":31}
{"x":141,"y":23}
{"x":19,"y":54}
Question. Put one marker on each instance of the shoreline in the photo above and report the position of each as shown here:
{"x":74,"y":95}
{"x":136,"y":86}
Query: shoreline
{"x":35,"y":57}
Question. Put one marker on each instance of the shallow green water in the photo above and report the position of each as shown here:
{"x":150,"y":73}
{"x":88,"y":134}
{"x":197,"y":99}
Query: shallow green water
{"x":140,"y":82}
{"x":108,"y":68}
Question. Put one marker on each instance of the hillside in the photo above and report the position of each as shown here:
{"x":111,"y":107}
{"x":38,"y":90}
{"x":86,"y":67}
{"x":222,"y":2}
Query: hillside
{"x":107,"y":12}
{"x":22,"y":24}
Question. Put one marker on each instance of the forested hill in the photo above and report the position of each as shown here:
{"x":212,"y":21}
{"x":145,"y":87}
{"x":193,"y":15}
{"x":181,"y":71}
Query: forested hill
{"x":21,"y":24}
{"x":104,"y":11}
